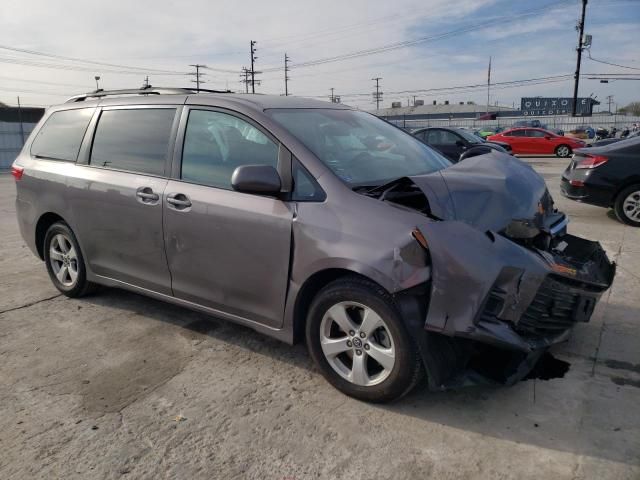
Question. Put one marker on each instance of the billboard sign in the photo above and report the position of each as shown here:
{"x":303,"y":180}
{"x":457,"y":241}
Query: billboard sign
{"x":534,"y":106}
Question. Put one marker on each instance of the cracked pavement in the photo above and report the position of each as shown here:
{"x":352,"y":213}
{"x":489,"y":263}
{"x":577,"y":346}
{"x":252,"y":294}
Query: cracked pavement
{"x":117,"y":385}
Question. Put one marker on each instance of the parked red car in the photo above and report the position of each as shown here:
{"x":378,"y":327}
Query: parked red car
{"x":537,"y":141}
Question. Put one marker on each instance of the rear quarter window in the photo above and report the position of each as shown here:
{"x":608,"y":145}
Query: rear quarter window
{"x":61,"y":135}
{"x":135,"y":140}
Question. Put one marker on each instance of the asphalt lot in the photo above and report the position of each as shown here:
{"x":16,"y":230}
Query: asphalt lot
{"x":120,"y":385}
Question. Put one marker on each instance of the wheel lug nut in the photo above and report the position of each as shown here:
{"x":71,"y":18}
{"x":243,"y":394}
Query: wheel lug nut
{"x":366,"y":346}
{"x":362,"y":334}
{"x":358,"y":352}
{"x":352,"y":333}
{"x":349,"y":343}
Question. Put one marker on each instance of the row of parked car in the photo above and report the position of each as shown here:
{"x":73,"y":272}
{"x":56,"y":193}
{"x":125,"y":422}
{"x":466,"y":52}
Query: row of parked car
{"x":454,"y":142}
{"x":605,"y":173}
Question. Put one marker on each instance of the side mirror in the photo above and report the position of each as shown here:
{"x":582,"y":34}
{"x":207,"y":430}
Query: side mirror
{"x":260,"y":179}
{"x":460,"y":143}
{"x":548,"y":137}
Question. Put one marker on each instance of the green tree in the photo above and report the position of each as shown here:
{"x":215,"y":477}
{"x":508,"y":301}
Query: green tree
{"x":633,"y":108}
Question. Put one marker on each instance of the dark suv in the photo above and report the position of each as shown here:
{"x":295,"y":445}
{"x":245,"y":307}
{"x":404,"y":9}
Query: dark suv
{"x":309,"y":220}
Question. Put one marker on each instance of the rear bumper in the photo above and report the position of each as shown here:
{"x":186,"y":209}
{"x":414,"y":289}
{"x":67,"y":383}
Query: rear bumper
{"x":506,"y":312}
{"x":598,"y":196}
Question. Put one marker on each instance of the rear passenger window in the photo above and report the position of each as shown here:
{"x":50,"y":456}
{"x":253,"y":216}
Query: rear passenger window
{"x":136,"y":140}
{"x":216,"y":143}
{"x":61,"y":135}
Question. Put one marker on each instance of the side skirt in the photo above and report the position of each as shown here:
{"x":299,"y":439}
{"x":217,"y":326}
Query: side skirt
{"x":285,"y":335}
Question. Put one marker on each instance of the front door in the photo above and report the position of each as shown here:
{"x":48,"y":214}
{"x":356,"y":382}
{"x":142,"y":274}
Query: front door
{"x":448,"y":143}
{"x":537,"y":143}
{"x":116,"y":196}
{"x":227,"y":250}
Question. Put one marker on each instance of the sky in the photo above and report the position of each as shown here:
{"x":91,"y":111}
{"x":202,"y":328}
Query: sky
{"x":415,"y":46}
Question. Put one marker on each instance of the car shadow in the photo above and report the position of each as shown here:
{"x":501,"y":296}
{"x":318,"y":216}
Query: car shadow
{"x":580,"y":414}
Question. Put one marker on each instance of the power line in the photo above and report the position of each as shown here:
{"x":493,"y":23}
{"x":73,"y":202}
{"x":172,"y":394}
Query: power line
{"x":80,"y":68}
{"x":43,"y":82}
{"x":522,"y":82}
{"x":430,"y":38}
{"x":92,"y":62}
{"x":610,"y":63}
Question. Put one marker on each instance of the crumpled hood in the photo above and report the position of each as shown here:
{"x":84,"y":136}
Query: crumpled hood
{"x":489,"y":192}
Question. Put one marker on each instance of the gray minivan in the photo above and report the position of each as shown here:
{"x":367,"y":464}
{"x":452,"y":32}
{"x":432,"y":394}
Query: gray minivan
{"x":309,"y":221}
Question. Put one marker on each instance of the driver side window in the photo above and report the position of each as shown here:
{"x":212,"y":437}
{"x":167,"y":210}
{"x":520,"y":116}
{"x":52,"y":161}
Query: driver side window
{"x":216,"y":143}
{"x":443,"y":137}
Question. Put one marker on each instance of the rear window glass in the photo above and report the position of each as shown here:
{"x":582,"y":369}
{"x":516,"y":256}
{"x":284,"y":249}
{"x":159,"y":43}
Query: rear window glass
{"x":61,"y":135}
{"x":136,"y":140}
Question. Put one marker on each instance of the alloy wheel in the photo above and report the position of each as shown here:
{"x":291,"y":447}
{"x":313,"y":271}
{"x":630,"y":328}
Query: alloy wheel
{"x":563,"y":151}
{"x":357,"y":343}
{"x":64,"y":260}
{"x":631,"y":206}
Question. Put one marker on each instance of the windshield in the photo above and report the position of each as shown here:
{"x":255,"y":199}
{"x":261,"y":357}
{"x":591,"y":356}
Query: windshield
{"x":470,"y":137}
{"x":358,"y":147}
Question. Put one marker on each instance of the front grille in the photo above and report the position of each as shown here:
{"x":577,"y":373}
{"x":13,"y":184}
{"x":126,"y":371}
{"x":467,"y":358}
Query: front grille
{"x":552,"y":311}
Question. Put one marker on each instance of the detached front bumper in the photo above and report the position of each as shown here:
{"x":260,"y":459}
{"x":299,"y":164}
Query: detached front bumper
{"x":496,"y":306}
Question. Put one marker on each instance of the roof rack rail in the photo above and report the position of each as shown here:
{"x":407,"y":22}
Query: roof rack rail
{"x":140,"y":91}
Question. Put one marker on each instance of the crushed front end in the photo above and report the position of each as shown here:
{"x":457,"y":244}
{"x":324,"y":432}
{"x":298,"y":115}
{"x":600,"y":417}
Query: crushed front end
{"x":494,"y":312}
{"x":507,"y":280}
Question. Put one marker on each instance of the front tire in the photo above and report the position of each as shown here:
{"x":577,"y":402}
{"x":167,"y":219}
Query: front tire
{"x":358,"y":340}
{"x":563,"y":151}
{"x":64,"y":261}
{"x":627,"y":206}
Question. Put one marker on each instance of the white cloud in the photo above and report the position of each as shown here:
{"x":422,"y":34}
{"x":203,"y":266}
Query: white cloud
{"x":171,"y":35}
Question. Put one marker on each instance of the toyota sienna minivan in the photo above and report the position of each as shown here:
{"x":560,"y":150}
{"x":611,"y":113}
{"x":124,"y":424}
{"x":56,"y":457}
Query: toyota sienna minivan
{"x":309,"y":221}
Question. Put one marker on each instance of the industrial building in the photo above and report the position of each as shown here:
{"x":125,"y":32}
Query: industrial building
{"x":442,"y":110}
{"x":15,"y":126}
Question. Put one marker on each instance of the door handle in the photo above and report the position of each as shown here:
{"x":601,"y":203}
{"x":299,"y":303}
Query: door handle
{"x":179,"y":200}
{"x":146,"y":195}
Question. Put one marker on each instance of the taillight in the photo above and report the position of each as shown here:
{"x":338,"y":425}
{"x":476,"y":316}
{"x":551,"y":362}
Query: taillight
{"x":17,"y":172}
{"x":590,"y":161}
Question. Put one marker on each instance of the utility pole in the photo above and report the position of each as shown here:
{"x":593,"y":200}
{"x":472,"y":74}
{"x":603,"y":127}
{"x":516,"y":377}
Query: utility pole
{"x":377,"y":95}
{"x":332,"y":97}
{"x":488,"y":84}
{"x":146,"y":82}
{"x":244,"y":78}
{"x":609,"y":101}
{"x":198,"y":75}
{"x":20,"y":120}
{"x":580,"y":29}
{"x":253,"y":70}
{"x":286,"y":74}
{"x":414,"y":100}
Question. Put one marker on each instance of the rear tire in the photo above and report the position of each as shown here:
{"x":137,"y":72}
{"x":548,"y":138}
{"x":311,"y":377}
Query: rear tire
{"x":563,"y":151}
{"x":627,"y":206}
{"x":64,"y":261}
{"x":358,"y":340}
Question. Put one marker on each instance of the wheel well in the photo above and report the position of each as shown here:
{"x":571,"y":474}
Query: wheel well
{"x":309,"y":290}
{"x":42,"y":226}
{"x":625,"y":185}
